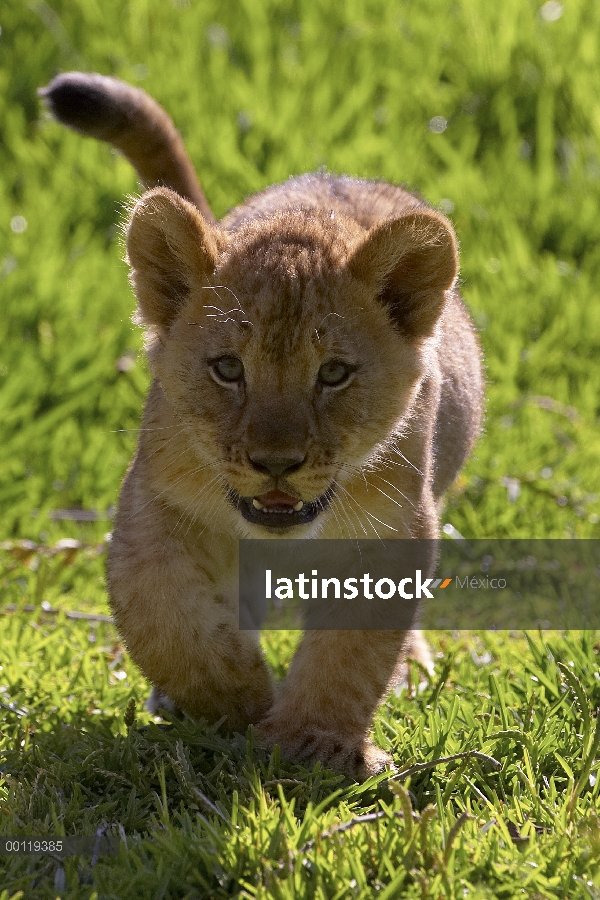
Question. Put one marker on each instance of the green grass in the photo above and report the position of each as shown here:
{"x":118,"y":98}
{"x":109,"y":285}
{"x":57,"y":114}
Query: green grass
{"x":208,"y":816}
{"x":261,"y":91}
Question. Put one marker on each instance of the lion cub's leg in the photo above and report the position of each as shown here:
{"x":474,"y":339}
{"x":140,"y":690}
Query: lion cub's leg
{"x":198,"y":661}
{"x":419,"y":650}
{"x":328,"y":700}
{"x":185,"y":638}
{"x":180,"y":626}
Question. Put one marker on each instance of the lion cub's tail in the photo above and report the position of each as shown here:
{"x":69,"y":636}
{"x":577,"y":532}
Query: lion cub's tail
{"x":134,"y":123}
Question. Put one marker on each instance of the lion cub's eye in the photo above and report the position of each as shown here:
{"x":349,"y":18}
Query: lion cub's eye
{"x":227,"y":369}
{"x":335,"y":373}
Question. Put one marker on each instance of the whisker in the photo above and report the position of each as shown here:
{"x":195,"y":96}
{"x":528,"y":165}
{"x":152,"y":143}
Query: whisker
{"x":212,"y":493}
{"x":332,"y":313}
{"x":224,"y":287}
{"x":355,"y":470}
{"x":348,"y":512}
{"x":406,"y":460}
{"x":131,"y":430}
{"x":204,"y":489}
{"x":208,"y":514}
{"x":162,"y":446}
{"x":369,"y":515}
{"x":394,"y":487}
{"x":187,"y":474}
{"x":335,"y":516}
{"x":384,"y":494}
{"x":359,"y":471}
{"x":337,"y":501}
{"x":358,"y":518}
{"x":331,"y":331}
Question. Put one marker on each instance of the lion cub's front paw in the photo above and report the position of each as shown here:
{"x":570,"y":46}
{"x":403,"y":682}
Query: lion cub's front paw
{"x":158,"y":700}
{"x":355,"y":756}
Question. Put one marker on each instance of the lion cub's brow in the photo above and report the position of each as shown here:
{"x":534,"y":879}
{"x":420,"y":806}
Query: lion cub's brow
{"x":296,"y":287}
{"x":280,"y":323}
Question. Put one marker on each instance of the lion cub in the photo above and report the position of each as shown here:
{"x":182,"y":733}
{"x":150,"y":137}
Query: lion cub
{"x":315,"y":374}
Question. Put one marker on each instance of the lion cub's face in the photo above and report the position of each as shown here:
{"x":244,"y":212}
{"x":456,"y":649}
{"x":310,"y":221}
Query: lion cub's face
{"x":291,"y":349}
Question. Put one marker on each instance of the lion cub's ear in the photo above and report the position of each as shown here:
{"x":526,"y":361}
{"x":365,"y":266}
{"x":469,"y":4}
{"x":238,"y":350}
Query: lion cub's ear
{"x":412,"y":260}
{"x":170,"y":247}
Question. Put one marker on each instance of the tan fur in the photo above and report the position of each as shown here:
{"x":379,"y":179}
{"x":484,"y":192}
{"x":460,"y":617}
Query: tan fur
{"x":317,"y":269}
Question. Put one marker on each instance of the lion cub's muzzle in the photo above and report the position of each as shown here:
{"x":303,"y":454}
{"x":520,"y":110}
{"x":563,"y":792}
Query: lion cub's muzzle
{"x":275,"y":508}
{"x":278,"y":510}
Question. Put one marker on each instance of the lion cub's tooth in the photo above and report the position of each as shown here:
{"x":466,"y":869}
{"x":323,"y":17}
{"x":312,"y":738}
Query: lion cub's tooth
{"x":298,"y":506}
{"x":256,"y":504}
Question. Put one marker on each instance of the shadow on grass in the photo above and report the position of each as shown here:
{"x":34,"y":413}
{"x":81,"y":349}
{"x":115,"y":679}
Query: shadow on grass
{"x":174,"y":788}
{"x":81,"y":774}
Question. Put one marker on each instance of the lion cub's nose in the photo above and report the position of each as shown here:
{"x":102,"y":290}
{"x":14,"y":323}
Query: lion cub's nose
{"x":276,"y":465}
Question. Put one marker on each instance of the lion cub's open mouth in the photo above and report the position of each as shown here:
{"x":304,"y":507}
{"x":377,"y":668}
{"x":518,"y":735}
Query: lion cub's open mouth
{"x":279,"y":510}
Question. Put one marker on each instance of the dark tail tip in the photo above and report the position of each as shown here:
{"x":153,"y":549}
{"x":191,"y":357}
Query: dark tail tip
{"x":87,"y":103}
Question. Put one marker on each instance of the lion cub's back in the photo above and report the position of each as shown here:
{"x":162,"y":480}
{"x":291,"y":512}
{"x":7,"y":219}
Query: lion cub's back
{"x":367,"y":202}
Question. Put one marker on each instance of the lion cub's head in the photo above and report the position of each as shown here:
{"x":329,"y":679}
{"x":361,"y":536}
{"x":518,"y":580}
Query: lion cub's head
{"x":292,"y":348}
